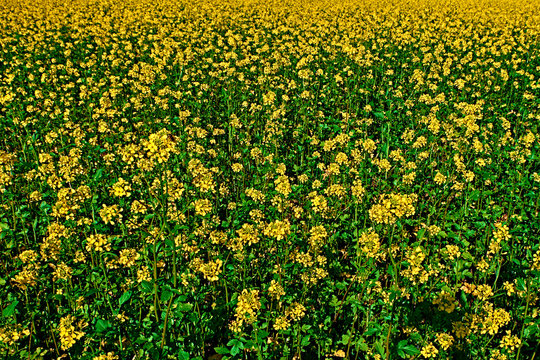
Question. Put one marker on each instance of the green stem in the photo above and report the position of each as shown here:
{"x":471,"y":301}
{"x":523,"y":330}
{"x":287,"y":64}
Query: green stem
{"x":524,"y":318}
{"x":154,"y":266}
{"x":54,"y":339}
{"x":387,"y":346}
{"x":165,"y":323}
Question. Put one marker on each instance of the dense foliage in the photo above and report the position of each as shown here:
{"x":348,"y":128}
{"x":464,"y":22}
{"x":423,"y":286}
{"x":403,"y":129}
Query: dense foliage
{"x":269,"y":179}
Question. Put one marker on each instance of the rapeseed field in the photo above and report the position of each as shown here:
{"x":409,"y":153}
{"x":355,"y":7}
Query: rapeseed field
{"x":263,"y":179}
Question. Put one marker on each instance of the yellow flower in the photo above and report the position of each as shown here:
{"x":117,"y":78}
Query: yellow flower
{"x":429,"y":351}
{"x":276,"y":290}
{"x":237,"y":167}
{"x":390,"y":207}
{"x":445,"y":340}
{"x":282,"y":185}
{"x":143,"y":274}
{"x":98,"y":243}
{"x":296,"y":311}
{"x":202,"y":207}
{"x":483,"y":292}
{"x":121,"y":188}
{"x":110,"y":214}
{"x":281,"y":323}
{"x":369,"y":244}
{"x":26,"y":278}
{"x":453,"y":251}
{"x":445,"y":302}
{"x":128,"y":257}
{"x":211,"y":270}
{"x":278,"y":229}
{"x":62,"y":272}
{"x":510,"y":342}
{"x":69,"y":332}
{"x":439,"y":178}
{"x":109,"y":356}
{"x":357,"y":189}
{"x":248,"y":306}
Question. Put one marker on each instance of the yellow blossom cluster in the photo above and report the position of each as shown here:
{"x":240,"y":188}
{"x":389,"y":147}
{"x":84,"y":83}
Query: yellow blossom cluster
{"x":70,"y":331}
{"x":391,"y":207}
{"x":246,"y":309}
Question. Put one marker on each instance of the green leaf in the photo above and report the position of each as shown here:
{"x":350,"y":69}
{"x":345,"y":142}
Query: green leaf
{"x":102,"y":325}
{"x":480,"y":224}
{"x":249,"y":344}
{"x":341,"y":286}
{"x":98,"y":175}
{"x":166,"y":295}
{"x":236,"y":343}
{"x":9,"y":310}
{"x":170,"y":243}
{"x":193,"y":317}
{"x":235,"y":351}
{"x":411,"y":350}
{"x":530,"y":331}
{"x":149,"y":216}
{"x":184,"y":307}
{"x":521,"y":286}
{"x":344,"y":339}
{"x":125,"y":297}
{"x":182,"y":355}
{"x":374,"y":330}
{"x":463,"y":297}
{"x":221,"y":350}
{"x":147,"y":287}
{"x":404,"y":349}
{"x":362,"y":346}
{"x":379,"y":347}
